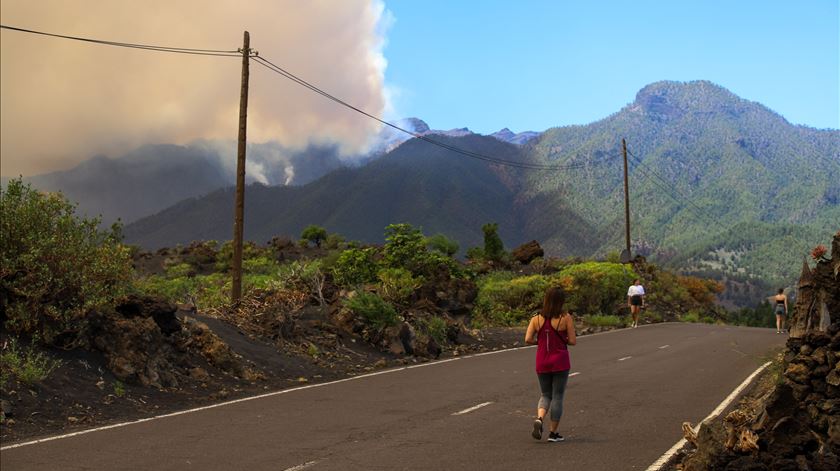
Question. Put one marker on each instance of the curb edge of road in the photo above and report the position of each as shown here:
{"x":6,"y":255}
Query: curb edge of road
{"x":666,"y":457}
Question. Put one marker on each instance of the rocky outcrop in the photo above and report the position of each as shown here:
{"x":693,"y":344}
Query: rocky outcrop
{"x":144,"y":343}
{"x":818,"y":294}
{"x":136,"y":350}
{"x":527,"y":252}
{"x":161,"y":311}
{"x":797,"y":425}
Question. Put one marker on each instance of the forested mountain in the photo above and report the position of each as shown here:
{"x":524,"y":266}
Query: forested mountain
{"x":711,"y":172}
{"x":417,"y":182}
{"x":718,"y":184}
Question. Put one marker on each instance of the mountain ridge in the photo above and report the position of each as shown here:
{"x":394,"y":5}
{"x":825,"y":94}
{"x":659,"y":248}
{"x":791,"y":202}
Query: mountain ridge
{"x":736,"y":160}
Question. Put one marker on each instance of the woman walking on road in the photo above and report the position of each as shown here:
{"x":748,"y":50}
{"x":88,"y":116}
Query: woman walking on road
{"x":552,"y":330}
{"x":781,"y":310}
{"x":636,"y":300}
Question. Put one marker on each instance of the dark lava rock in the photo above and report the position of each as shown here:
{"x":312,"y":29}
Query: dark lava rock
{"x":162,"y":311}
{"x":527,"y":252}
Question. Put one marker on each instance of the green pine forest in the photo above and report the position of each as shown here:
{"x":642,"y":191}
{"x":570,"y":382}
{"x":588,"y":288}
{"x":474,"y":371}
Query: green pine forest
{"x":720,"y":187}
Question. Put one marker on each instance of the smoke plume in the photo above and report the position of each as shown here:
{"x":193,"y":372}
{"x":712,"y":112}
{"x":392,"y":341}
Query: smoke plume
{"x":64,"y":101}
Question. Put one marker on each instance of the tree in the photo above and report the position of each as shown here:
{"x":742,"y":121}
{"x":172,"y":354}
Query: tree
{"x":442,"y":244}
{"x":55,"y":268}
{"x":314,"y":234}
{"x":493,"y":247}
{"x":405,"y":247}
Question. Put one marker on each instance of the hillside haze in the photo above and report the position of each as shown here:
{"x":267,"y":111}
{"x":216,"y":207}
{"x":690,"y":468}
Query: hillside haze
{"x":718,"y":184}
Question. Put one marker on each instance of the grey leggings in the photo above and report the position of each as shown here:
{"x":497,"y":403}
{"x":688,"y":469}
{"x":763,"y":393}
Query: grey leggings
{"x":552,"y":387}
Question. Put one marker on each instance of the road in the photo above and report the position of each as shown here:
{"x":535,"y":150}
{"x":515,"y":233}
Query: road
{"x":629,"y":393}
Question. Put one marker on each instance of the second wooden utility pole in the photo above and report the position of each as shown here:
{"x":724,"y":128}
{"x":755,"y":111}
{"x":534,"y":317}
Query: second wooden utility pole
{"x":625,"y":255}
{"x":239,"y":206}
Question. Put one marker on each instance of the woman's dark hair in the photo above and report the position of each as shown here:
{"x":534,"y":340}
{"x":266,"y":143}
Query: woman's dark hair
{"x":635,"y":280}
{"x":553,"y":303}
{"x":781,"y":290}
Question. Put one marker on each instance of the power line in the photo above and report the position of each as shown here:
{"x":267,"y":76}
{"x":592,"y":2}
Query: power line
{"x":279,"y":70}
{"x":675,"y":194}
{"x":148,"y":47}
{"x":468,"y":153}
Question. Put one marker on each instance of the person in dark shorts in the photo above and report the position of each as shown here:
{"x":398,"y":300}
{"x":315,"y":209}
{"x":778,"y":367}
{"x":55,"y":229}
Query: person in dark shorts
{"x":781,"y":310}
{"x":552,"y":330}
{"x":636,"y":300}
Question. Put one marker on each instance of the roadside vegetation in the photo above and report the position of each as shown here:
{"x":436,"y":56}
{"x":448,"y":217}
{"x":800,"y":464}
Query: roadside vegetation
{"x":58,"y":269}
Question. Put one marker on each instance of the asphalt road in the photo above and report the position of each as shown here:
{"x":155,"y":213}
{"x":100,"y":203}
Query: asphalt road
{"x":623,"y":409}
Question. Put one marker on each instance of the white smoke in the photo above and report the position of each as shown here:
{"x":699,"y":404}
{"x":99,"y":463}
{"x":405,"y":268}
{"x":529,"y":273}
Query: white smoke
{"x":63,"y":101}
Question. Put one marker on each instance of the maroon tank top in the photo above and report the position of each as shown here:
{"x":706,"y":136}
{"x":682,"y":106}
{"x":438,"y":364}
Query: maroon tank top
{"x":552,"y":350}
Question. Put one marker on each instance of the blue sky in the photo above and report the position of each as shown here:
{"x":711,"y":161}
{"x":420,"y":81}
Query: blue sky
{"x":531,"y":65}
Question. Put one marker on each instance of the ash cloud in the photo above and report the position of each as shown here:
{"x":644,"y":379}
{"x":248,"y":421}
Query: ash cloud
{"x":63,"y":101}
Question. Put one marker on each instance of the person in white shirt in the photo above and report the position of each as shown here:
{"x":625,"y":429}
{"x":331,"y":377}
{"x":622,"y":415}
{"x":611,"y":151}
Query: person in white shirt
{"x":636,"y":300}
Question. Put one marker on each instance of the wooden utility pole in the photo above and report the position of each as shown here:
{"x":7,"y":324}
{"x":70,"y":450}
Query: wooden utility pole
{"x":239,"y":206}
{"x":626,"y":258}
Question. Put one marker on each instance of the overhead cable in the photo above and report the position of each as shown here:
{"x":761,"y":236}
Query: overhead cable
{"x":149,"y":47}
{"x":468,"y":153}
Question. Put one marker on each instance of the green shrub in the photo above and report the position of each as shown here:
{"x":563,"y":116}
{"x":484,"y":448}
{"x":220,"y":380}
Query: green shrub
{"x":260,"y":265}
{"x":312,"y":350}
{"x":334,"y":241}
{"x":405,"y":247}
{"x":28,"y":365}
{"x":595,"y":287}
{"x":205,"y":290}
{"x":494,"y":249}
{"x":397,"y":284}
{"x":306,"y":276}
{"x":224,"y":258}
{"x":314,"y":234}
{"x":375,"y":311}
{"x":475,"y":253}
{"x":613,"y":257}
{"x":505,"y":299}
{"x":691,"y":316}
{"x":435,"y":327}
{"x":525,"y":293}
{"x":758,"y":316}
{"x":651,"y":316}
{"x":603,"y":321}
{"x":119,"y":388}
{"x":200,"y":254}
{"x":179,"y":270}
{"x":442,"y":244}
{"x":55,"y":267}
{"x":355,"y":267}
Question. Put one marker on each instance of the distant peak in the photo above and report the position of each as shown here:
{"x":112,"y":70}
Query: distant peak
{"x":414,"y":124}
{"x":506,"y":135}
{"x":670,"y":99}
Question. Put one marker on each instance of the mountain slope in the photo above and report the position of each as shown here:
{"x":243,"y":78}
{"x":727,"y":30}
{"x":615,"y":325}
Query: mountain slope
{"x":139,"y":183}
{"x":417,"y":183}
{"x":710,"y":174}
{"x":732,"y":166}
{"x":154,"y":177}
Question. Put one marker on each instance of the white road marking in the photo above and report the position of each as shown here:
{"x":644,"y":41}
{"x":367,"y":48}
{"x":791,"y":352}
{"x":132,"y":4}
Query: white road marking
{"x":470,"y":409}
{"x":624,"y":358}
{"x":286,"y":391}
{"x":301,"y":466}
{"x":658,"y":464}
{"x":664,"y":346}
{"x":419,"y":365}
{"x":574,"y":374}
